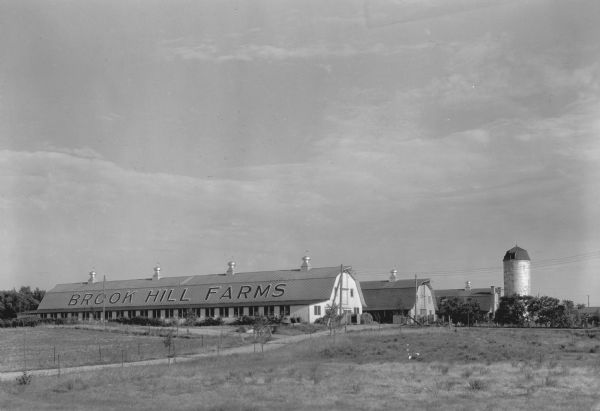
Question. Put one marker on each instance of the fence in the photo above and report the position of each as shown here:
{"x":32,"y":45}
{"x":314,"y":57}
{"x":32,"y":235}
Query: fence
{"x":43,"y":348}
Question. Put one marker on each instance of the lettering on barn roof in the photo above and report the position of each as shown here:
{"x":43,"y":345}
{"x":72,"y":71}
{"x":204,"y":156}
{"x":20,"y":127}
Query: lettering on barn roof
{"x":274,"y":287}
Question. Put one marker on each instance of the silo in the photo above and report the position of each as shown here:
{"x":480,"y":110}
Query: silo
{"x":517,"y":272}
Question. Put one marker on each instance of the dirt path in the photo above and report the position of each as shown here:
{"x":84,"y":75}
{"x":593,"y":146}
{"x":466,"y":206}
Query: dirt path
{"x":246,"y":349}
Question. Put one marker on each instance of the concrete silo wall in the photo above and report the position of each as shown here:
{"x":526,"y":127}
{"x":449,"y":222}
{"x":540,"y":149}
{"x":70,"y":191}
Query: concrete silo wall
{"x":517,"y":277}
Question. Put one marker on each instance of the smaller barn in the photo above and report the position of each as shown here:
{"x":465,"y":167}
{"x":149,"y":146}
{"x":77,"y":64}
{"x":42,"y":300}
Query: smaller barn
{"x":590,"y":315}
{"x":399,"y":301}
{"x":487,"y":298}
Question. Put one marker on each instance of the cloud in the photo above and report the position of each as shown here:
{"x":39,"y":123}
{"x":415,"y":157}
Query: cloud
{"x":86,"y":209}
{"x":387,"y":13}
{"x":81,"y":152}
{"x":209,"y":51}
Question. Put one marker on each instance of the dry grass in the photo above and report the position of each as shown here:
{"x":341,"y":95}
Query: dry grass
{"x":362,"y":371}
{"x":40,"y":347}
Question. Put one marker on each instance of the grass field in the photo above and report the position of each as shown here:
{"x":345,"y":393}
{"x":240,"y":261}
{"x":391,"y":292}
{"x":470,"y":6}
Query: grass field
{"x":44,"y":347}
{"x":462,"y":369}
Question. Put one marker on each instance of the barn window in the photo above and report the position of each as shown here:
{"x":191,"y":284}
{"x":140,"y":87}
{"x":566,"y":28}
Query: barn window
{"x":284,"y":310}
{"x":269,"y":310}
{"x":317,"y":310}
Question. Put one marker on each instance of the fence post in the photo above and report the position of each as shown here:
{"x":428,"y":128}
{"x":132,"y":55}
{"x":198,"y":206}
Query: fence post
{"x":100,"y":352}
{"x":59,"y":365}
{"x":54,"y":354}
{"x":122,"y":357}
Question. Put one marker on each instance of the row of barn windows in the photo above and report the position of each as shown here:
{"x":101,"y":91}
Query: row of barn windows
{"x":251,"y":311}
{"x":318,"y":311}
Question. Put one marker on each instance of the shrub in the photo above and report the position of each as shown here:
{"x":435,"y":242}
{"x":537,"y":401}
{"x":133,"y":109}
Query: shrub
{"x":153,"y":322}
{"x":210,"y":322}
{"x":366,"y":318}
{"x":477,"y":385}
{"x":24,"y":379}
{"x":30,"y":321}
{"x":244,"y":320}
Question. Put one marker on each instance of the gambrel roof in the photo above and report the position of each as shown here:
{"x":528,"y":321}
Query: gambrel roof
{"x":263,"y":287}
{"x":391,"y":295}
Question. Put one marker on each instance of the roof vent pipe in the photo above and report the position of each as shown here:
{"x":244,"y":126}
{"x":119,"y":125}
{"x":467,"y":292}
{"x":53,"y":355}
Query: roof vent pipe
{"x":305,"y":263}
{"x":231,"y":269}
{"x":156,"y":275}
{"x":92,"y":278}
{"x":393,"y":276}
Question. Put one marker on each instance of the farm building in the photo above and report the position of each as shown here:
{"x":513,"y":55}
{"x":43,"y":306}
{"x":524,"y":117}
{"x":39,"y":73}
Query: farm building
{"x":300,"y":293}
{"x":488,"y":298}
{"x":590,"y":315}
{"x":517,"y":271}
{"x":399,"y":300}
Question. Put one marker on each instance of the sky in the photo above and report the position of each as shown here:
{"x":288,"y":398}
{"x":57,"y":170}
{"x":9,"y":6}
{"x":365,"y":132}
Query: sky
{"x":425,"y":136}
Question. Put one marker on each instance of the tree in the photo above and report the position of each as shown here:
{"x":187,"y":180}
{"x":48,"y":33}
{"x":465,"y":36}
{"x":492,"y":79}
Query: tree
{"x":461,"y":311}
{"x":512,"y":310}
{"x":13,"y":302}
{"x":449,"y":308}
{"x":551,"y":312}
{"x":542,"y":310}
{"x":331,"y":317}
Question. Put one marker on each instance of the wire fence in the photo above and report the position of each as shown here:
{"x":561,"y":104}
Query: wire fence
{"x":44,"y":349}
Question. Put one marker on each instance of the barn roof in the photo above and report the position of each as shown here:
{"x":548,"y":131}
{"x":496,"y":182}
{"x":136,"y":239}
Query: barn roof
{"x":263,"y":287}
{"x":483,"y":296}
{"x":390,"y":295}
{"x":460,"y":292}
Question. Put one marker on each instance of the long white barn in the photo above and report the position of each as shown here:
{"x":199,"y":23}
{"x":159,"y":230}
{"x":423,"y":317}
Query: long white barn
{"x":301,"y":293}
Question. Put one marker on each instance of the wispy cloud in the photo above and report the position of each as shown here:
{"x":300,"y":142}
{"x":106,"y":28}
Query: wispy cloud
{"x":63,"y":201}
{"x":209,"y":51}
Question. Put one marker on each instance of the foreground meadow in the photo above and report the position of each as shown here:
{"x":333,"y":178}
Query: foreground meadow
{"x":44,"y":347}
{"x":456,"y":369}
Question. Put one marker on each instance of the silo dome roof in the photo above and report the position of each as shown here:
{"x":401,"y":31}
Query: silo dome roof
{"x":516,"y":253}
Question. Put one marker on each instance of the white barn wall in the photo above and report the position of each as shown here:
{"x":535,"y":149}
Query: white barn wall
{"x":425,"y":301}
{"x":301,"y":311}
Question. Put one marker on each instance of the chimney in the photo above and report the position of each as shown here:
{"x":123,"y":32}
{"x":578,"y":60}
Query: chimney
{"x":92,"y":278}
{"x":231,"y":269}
{"x":156,"y":275}
{"x":393,"y":276}
{"x":305,"y":263}
{"x":468,"y":286}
